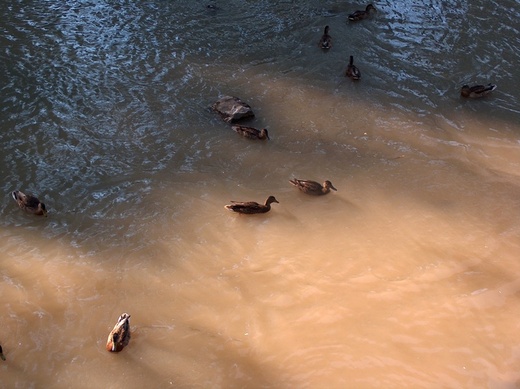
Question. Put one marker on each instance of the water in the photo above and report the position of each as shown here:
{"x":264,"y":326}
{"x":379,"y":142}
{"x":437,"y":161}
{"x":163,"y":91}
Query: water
{"x":406,"y":277}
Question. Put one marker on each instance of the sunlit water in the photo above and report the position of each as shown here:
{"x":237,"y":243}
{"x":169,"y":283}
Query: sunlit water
{"x":406,"y":277}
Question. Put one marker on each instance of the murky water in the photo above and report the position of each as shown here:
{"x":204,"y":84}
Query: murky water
{"x":406,"y":277}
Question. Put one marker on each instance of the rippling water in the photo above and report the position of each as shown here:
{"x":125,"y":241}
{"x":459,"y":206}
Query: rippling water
{"x":407,"y":276}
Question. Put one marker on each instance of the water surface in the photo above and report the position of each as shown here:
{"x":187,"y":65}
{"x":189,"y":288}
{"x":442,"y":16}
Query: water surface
{"x":406,"y":277}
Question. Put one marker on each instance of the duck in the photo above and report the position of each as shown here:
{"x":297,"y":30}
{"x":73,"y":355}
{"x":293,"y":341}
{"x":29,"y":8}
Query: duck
{"x":2,"y":356}
{"x":325,"y":40}
{"x":352,"y":71}
{"x":251,"y":133}
{"x":477,"y":91}
{"x":360,"y":15}
{"x":120,"y":334}
{"x":29,"y":203}
{"x":250,"y":207}
{"x":313,"y":187}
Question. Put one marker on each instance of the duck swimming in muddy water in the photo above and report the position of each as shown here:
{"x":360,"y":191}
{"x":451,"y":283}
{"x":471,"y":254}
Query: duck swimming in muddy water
{"x":476,"y":91}
{"x":29,"y":203}
{"x":120,"y":334}
{"x":360,"y":15}
{"x":325,"y":40}
{"x":313,"y":187}
{"x":352,"y":71}
{"x":251,"y":207}
{"x":251,"y":132}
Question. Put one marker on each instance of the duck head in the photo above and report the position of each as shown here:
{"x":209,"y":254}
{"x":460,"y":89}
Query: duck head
{"x":328,"y":185}
{"x":270,"y":200}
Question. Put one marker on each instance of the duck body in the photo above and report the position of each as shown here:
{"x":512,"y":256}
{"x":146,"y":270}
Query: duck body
{"x":120,"y":334}
{"x":29,"y":203}
{"x":326,"y":40}
{"x":352,"y":71}
{"x":360,"y":15}
{"x":251,"y":133}
{"x":477,"y":91}
{"x":313,"y":187}
{"x":251,"y":207}
{"x":2,"y":356}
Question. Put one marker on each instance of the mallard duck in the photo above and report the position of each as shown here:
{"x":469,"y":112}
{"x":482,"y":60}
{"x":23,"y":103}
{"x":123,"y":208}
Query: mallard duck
{"x":251,"y":133}
{"x":325,"y":40}
{"x":477,"y":91}
{"x":29,"y":203}
{"x":120,"y":334}
{"x":250,"y":207}
{"x":352,"y":71}
{"x":313,"y":187}
{"x":360,"y":15}
{"x":2,"y":356}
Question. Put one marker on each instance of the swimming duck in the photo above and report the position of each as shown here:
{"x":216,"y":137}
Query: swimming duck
{"x":29,"y":203}
{"x":352,"y":71}
{"x":251,"y":133}
{"x":360,"y":15}
{"x":120,"y":334}
{"x":251,"y":207}
{"x":2,"y":356}
{"x":313,"y":187}
{"x":325,"y":40}
{"x":477,"y":91}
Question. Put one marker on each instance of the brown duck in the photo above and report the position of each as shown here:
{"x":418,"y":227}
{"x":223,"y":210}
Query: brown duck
{"x":313,"y":187}
{"x":251,"y":133}
{"x":29,"y":203}
{"x":352,"y":71}
{"x":250,"y":207}
{"x":360,"y":15}
{"x":325,"y":40}
{"x":120,"y":334}
{"x":477,"y":91}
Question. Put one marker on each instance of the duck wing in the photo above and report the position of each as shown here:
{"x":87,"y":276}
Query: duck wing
{"x":246,"y":204}
{"x":482,"y":89}
{"x":307,"y":185}
{"x":247,"y":207}
{"x":356,"y":15}
{"x":325,"y":42}
{"x":31,"y":201}
{"x":248,"y":132}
